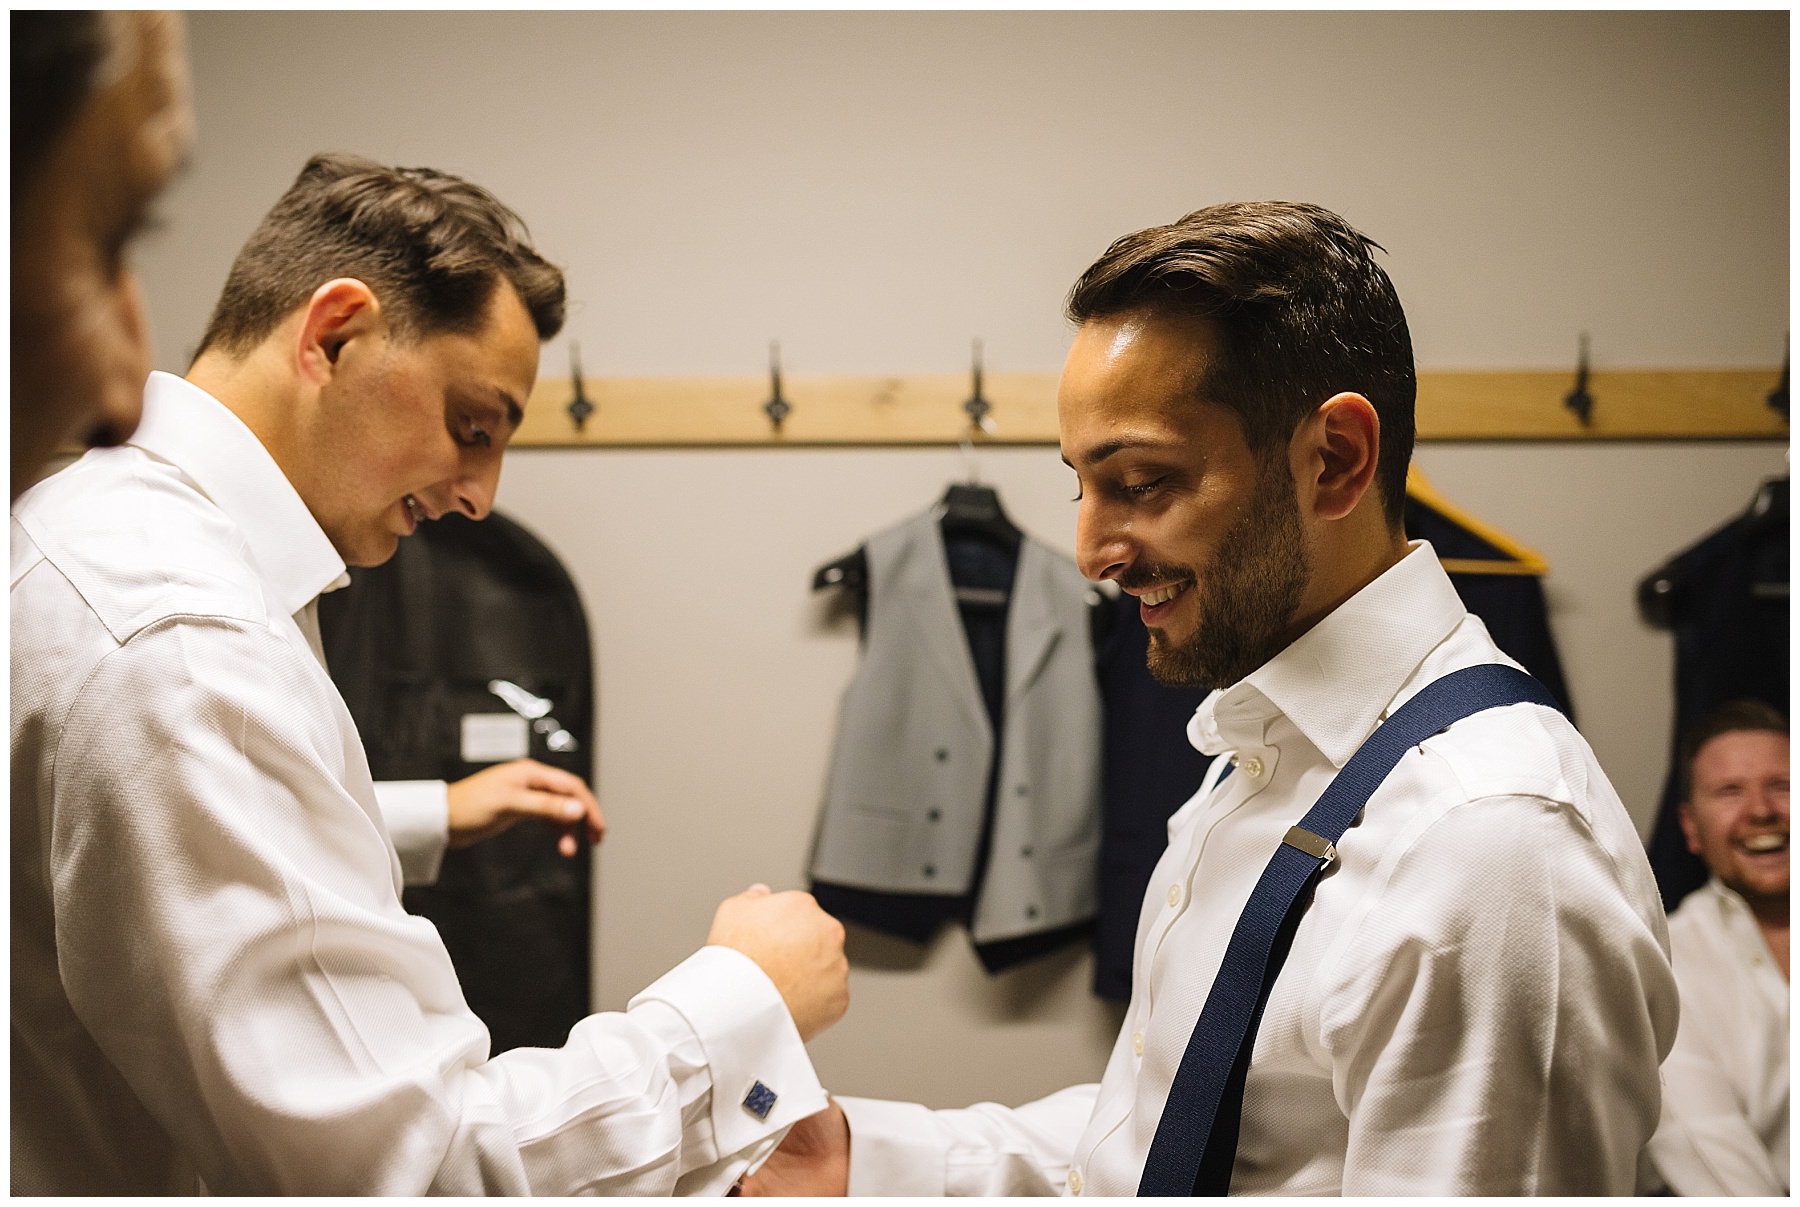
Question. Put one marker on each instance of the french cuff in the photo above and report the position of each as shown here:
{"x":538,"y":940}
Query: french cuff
{"x":417,"y":813}
{"x":762,"y":1080}
{"x":895,"y":1148}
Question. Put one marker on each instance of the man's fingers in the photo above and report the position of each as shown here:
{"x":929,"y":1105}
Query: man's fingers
{"x":578,"y":800}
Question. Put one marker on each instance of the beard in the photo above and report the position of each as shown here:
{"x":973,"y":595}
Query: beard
{"x":1247,"y":598}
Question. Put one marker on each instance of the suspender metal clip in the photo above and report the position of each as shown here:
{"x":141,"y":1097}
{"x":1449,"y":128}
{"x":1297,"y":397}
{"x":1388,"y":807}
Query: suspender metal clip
{"x":1312,"y":844}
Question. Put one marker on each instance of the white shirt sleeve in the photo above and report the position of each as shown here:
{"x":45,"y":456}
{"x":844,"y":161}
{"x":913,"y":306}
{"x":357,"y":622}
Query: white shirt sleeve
{"x":1497,"y":1033}
{"x":417,"y":813}
{"x":229,"y":933}
{"x":900,"y":1148}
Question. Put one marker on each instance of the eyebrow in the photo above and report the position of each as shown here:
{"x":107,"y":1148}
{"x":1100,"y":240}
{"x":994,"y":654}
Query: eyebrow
{"x":1118,"y":444}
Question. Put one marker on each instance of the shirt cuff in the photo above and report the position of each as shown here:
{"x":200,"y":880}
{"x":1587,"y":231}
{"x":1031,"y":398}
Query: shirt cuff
{"x":896,"y":1148}
{"x":417,"y":813}
{"x":762,"y":1079}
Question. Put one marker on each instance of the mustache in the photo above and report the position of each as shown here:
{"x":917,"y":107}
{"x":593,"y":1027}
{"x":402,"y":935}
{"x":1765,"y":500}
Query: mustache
{"x":1154,"y":574}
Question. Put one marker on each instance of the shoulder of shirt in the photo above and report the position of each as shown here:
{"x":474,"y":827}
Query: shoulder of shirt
{"x":1521,"y":750}
{"x":140,"y":543}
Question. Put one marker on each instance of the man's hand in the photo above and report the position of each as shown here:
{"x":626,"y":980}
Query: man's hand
{"x":490,"y":801}
{"x":799,"y":946}
{"x":814,"y":1159}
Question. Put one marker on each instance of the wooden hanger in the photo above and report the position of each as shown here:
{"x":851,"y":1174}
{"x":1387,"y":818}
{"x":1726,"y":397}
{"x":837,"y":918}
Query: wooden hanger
{"x":1518,"y":560}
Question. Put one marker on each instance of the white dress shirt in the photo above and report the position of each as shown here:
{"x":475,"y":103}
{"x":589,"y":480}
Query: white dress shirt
{"x":1724,"y":1128}
{"x":214,"y":986}
{"x":1476,"y":1002}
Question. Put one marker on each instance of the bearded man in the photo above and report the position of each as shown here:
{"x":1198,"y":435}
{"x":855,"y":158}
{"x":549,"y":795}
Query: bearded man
{"x":1479,"y":995}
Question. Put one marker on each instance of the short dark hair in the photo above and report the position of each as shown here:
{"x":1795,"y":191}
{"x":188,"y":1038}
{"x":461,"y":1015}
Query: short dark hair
{"x":1303,"y":311}
{"x":56,"y":59}
{"x":1733,"y":716}
{"x":432,"y":246}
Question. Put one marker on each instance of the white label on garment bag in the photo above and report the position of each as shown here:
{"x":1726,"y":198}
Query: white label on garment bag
{"x":494,"y":737}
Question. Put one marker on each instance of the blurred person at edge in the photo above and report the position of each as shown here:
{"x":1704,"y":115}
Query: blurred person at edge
{"x":100,"y":124}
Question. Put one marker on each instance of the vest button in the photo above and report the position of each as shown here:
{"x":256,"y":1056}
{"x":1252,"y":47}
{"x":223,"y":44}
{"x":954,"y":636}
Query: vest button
{"x":934,"y":815}
{"x":1022,"y":790}
{"x":943,"y":755}
{"x":929,"y":869}
{"x":1025,"y":852}
{"x":1031,"y":911}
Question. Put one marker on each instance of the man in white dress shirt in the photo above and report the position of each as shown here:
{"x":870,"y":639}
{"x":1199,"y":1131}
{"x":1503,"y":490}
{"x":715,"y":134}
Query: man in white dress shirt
{"x":214,"y":985}
{"x":1724,"y":1128}
{"x":1479,"y":996}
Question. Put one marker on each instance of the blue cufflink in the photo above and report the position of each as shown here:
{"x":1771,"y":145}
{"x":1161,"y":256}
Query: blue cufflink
{"x":760,"y":1100}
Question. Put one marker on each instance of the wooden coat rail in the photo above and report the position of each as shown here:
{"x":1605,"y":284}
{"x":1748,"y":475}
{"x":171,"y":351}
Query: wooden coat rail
{"x":925,"y":409}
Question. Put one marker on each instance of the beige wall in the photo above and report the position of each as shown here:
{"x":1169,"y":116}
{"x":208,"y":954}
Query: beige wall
{"x":875,"y":189}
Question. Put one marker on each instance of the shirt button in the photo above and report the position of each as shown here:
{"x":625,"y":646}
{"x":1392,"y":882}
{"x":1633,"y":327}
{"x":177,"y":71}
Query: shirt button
{"x":1174,"y":894}
{"x":1074,"y":1181}
{"x":1251,"y":766}
{"x":1137,"y":1043}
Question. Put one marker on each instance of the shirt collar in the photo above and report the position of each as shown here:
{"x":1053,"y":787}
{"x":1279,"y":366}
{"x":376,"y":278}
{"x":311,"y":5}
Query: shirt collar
{"x":189,"y":428}
{"x":1336,"y":681}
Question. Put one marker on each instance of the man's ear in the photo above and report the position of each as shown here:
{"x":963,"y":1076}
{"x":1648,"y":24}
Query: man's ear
{"x":338,"y":312}
{"x":1334,"y":453}
{"x":1685,"y":815}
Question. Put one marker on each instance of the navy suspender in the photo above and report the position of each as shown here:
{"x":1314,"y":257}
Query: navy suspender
{"x":1196,"y":1139}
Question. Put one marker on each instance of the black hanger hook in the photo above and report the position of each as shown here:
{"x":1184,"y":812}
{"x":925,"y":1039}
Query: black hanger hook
{"x":777,"y":407}
{"x":978,"y":406}
{"x":579,"y":408}
{"x":1578,"y":399}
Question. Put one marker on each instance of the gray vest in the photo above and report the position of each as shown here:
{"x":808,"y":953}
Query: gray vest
{"x":904,"y":800}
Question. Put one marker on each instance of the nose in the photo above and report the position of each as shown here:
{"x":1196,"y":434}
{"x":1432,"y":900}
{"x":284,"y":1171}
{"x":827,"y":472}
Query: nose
{"x":1769,"y":801}
{"x":1103,"y":545}
{"x":473,"y":493}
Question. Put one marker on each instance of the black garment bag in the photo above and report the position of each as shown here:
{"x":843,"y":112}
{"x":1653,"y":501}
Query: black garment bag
{"x":413,"y":646}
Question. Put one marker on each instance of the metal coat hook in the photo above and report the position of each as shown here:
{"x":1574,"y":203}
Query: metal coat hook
{"x":777,"y":407}
{"x":1578,"y":399}
{"x":580,"y":408}
{"x":977,"y":406}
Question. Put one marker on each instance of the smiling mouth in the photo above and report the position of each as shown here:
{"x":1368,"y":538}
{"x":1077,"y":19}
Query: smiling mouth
{"x":1162,"y":595}
{"x":1764,"y":844}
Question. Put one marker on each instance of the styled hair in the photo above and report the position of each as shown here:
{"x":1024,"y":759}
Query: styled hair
{"x":1733,"y":716}
{"x":1302,"y":309}
{"x":431,"y":246}
{"x":56,"y":61}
